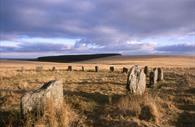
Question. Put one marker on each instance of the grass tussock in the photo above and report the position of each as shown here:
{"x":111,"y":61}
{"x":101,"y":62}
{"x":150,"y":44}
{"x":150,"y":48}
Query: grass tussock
{"x":143,"y":107}
{"x":52,"y":117}
{"x":149,"y":112}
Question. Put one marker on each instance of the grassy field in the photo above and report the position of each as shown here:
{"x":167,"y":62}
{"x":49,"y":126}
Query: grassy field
{"x":99,"y":98}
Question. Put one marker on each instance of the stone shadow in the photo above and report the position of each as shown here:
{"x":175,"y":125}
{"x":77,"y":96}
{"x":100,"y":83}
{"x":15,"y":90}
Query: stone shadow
{"x":186,"y":119}
{"x":99,"y":98}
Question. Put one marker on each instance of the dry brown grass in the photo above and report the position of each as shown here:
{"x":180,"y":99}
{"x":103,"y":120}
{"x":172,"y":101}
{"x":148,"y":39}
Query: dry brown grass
{"x":149,"y":112}
{"x":105,"y":63}
{"x":130,"y":105}
{"x":88,"y":93}
{"x":140,"y":106}
{"x":50,"y":117}
{"x":61,"y":118}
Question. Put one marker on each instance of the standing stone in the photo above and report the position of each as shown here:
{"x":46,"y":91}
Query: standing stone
{"x":125,"y":70}
{"x":111,"y":69}
{"x":82,"y":68}
{"x":110,"y":99}
{"x":160,"y":74}
{"x":35,"y":101}
{"x":53,"y":69}
{"x":69,"y":68}
{"x":39,"y":68}
{"x":136,"y":81}
{"x":22,"y":69}
{"x":153,"y":77}
{"x":96,"y":68}
{"x":146,"y":71}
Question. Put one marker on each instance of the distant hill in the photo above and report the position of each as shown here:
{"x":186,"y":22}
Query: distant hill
{"x":73,"y":58}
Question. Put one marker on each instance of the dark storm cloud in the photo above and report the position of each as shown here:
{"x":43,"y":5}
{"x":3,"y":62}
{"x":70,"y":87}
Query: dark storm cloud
{"x":107,"y":23}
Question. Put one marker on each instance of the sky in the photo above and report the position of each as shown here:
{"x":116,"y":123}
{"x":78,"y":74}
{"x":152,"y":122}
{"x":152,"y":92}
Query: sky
{"x":33,"y":28}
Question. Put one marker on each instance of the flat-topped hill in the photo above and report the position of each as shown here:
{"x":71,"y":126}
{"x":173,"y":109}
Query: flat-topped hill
{"x":74,"y":58}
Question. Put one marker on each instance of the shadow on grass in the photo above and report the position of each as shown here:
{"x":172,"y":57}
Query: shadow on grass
{"x":96,"y":82}
{"x":8,"y":91}
{"x":191,"y":90}
{"x":10,"y":118}
{"x":180,"y":80}
{"x":117,"y":123}
{"x":186,"y":119}
{"x":99,"y":98}
{"x":187,"y":107}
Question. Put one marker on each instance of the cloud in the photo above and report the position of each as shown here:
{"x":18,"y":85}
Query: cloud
{"x":79,"y":47}
{"x":88,"y":18}
{"x":177,"y":49}
{"x":134,"y":48}
{"x":34,"y":47}
{"x":98,"y":25}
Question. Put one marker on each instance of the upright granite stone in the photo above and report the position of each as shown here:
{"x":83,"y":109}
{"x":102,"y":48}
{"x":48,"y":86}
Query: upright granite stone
{"x":82,"y":68}
{"x":125,"y":70}
{"x":69,"y":68}
{"x":111,"y":69}
{"x":96,"y":69}
{"x":36,"y":100}
{"x":39,"y":68}
{"x":153,"y":77}
{"x":160,"y":74}
{"x":22,"y":69}
{"x":53,"y":69}
{"x":146,"y":70}
{"x":136,"y":81}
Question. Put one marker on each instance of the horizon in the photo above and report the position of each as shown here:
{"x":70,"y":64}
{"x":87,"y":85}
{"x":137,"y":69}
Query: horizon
{"x":121,"y":55}
{"x":31,"y":29}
